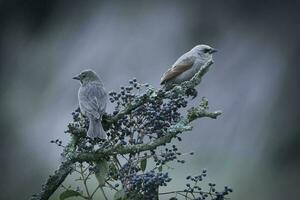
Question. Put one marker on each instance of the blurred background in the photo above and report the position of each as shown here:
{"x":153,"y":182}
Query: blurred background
{"x":253,"y":147}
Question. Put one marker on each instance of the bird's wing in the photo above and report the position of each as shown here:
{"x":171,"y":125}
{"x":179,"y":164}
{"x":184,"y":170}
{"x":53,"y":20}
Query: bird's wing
{"x":93,"y":100}
{"x":181,"y":65}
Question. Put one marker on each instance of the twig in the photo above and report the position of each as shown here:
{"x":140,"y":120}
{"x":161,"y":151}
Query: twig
{"x":84,"y":179}
{"x":95,"y":191}
{"x":182,"y":191}
{"x":110,"y":185}
{"x":102,"y":190}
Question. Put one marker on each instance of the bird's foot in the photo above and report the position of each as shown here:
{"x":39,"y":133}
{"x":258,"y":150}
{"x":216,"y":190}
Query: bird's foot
{"x":192,"y":92}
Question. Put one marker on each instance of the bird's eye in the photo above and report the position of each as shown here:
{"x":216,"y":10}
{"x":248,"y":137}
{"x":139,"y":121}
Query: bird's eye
{"x":206,"y":50}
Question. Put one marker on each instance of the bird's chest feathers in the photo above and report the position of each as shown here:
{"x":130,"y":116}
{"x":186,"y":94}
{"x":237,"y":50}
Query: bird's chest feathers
{"x":197,"y":65}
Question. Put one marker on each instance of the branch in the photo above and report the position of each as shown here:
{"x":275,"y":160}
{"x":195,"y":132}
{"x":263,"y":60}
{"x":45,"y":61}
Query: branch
{"x":173,"y":131}
{"x":54,"y":181}
{"x":66,"y":168}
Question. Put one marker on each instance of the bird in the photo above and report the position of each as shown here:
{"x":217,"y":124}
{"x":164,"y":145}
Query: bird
{"x":92,"y":99}
{"x":187,"y":65}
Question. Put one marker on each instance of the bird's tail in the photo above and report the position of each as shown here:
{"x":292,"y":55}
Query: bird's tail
{"x":95,"y":129}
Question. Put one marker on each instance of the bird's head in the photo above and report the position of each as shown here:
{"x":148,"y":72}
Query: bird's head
{"x":204,"y":50}
{"x":87,"y":76}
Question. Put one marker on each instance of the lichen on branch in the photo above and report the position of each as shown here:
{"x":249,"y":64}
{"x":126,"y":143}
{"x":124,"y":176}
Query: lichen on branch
{"x":144,"y":120}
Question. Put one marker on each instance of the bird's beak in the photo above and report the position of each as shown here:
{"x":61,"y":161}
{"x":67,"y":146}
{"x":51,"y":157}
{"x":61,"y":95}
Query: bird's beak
{"x":76,"y":77}
{"x":213,"y":50}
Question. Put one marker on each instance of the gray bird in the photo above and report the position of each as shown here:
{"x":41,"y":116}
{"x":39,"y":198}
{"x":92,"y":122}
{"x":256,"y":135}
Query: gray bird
{"x":187,"y":65}
{"x":92,"y":99}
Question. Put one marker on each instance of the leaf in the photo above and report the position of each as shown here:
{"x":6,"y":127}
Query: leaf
{"x":119,"y":195}
{"x":68,"y":193}
{"x":160,"y":168}
{"x":113,"y":171}
{"x":101,"y":172}
{"x":143,"y":164}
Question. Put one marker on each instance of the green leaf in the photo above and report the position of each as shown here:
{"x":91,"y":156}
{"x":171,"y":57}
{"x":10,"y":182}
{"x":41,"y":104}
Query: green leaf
{"x":160,"y":168}
{"x":101,"y":171}
{"x":143,"y":164}
{"x":113,"y":171}
{"x":119,"y":195}
{"x":68,"y":193}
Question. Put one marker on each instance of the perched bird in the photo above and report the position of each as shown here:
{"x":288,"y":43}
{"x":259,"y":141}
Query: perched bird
{"x":187,"y":65}
{"x":92,"y":99}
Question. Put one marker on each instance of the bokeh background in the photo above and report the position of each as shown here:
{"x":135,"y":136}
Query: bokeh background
{"x":253,"y":147}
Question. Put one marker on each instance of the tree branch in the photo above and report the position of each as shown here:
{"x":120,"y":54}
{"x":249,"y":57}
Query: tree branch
{"x":173,"y":131}
{"x":66,"y":167}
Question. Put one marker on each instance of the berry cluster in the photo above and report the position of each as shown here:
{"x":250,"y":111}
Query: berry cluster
{"x":126,"y":94}
{"x":166,"y":156}
{"x":127,"y":170}
{"x":147,"y":184}
{"x":197,"y":192}
{"x":151,"y":119}
{"x":57,"y":141}
{"x":79,"y":126}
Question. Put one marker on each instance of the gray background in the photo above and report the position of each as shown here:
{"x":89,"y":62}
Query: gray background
{"x":253,"y":147}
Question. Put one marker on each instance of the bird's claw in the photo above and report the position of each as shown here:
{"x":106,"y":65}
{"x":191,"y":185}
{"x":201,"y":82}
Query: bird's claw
{"x":192,"y":92}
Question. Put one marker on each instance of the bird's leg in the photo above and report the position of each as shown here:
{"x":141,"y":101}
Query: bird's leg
{"x":192,"y":92}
